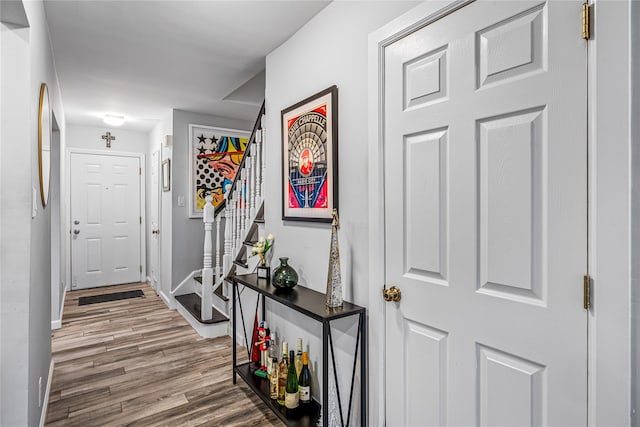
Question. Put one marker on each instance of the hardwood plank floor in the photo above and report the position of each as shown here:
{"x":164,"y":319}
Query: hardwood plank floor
{"x":135,"y":362}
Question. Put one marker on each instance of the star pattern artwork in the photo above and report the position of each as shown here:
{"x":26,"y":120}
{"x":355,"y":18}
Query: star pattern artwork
{"x":215,"y":155}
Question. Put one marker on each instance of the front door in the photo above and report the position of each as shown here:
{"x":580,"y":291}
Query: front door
{"x":105,"y":220}
{"x":485,"y":218}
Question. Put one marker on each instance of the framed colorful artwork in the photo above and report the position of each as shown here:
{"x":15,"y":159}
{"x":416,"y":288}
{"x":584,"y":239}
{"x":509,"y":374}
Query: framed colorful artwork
{"x":310,"y":158}
{"x":214,"y":157}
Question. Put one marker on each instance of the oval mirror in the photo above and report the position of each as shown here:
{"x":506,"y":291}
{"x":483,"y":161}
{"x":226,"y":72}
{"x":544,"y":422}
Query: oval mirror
{"x":44,"y":143}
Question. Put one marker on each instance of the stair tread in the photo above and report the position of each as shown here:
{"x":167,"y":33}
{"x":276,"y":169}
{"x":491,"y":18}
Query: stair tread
{"x":240,"y":263}
{"x":192,"y":303}
{"x":217,"y":292}
{"x":259,"y":220}
{"x":250,"y":242}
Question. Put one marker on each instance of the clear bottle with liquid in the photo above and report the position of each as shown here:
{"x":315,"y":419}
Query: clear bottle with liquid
{"x":273,"y":379}
{"x":282,"y":374}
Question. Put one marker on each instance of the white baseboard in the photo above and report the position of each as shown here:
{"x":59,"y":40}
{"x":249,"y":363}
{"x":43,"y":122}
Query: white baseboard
{"x":45,"y":399}
{"x":166,"y":300}
{"x":57,"y":324}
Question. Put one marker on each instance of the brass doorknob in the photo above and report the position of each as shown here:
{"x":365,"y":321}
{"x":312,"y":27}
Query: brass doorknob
{"x":392,"y":294}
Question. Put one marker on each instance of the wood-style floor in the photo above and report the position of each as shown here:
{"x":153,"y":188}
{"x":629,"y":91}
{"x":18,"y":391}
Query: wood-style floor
{"x":135,"y":362}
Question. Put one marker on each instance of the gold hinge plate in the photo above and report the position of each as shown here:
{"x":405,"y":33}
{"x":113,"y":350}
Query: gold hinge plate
{"x":140,"y":269}
{"x":587,"y":292}
{"x":586,"y":21}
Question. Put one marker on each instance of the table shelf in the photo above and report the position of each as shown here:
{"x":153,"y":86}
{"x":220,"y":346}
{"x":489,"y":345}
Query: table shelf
{"x":309,"y":303}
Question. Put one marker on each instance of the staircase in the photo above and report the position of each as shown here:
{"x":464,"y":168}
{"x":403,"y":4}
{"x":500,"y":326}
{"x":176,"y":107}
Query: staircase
{"x":202,"y":298}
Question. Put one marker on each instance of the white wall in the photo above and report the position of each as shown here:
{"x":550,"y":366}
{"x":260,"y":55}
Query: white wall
{"x":336,"y":40}
{"x":25,"y":327}
{"x":90,"y":137}
{"x":635,"y":216}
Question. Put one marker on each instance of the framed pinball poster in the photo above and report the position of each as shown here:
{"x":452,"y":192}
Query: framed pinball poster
{"x":310,"y":158}
{"x":214,"y":158}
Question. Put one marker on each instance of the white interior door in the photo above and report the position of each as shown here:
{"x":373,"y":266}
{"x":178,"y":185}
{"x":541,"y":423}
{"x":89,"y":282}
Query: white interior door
{"x":105,"y":220}
{"x":486,"y":226}
{"x":154,"y":268}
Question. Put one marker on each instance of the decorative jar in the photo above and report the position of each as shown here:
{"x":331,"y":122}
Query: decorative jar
{"x":284,"y":276}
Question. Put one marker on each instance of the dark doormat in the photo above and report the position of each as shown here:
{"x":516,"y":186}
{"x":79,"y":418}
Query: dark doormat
{"x":110,"y":297}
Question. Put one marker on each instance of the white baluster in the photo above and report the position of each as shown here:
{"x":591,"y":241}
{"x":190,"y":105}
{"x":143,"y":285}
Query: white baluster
{"x":243,"y":205}
{"x":228,"y":227}
{"x":258,"y":168}
{"x":247,"y":201}
{"x":264,"y":150}
{"x":207,"y":270}
{"x":234,"y":219}
{"x":252,"y":212}
{"x":236,"y":236}
{"x":217,"y":265}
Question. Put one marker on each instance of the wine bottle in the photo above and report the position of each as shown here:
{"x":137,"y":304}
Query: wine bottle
{"x":298,"y":359}
{"x":272,"y":352}
{"x":304,"y":381}
{"x":282,"y":374}
{"x":273,"y":379}
{"x":292,"y":396}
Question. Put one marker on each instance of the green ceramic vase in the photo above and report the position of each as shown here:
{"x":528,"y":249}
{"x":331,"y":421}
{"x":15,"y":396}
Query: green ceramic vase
{"x":284,"y":277}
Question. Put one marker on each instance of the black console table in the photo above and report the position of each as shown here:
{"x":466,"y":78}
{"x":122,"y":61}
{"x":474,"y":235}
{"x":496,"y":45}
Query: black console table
{"x":311,"y":304}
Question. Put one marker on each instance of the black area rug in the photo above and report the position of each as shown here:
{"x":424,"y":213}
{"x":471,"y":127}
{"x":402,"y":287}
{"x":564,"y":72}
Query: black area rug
{"x":110,"y":297}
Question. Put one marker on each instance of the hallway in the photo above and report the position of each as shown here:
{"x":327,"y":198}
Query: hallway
{"x":134,"y":362}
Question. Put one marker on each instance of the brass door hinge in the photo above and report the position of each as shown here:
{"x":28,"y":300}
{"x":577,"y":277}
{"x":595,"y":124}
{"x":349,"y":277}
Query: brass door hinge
{"x":139,"y":171}
{"x":140,"y":269}
{"x":140,"y":220}
{"x":586,"y":21}
{"x":587,"y":292}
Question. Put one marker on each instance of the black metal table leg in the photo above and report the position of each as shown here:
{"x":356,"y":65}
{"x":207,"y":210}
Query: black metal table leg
{"x":233,"y":336}
{"x":325,"y":373}
{"x":363,"y":369}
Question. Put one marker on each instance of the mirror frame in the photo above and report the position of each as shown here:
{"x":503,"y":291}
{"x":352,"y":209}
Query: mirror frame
{"x":44,"y":140}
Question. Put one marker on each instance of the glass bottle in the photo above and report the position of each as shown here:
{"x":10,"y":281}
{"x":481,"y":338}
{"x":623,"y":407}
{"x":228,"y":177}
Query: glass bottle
{"x":304,"y":380}
{"x":282,"y":374}
{"x":298,"y":358}
{"x":292,"y":395}
{"x":273,"y":379}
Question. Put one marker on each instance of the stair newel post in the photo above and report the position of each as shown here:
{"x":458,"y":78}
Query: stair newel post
{"x":217,"y":266}
{"x":264,"y":149}
{"x":252,"y":212}
{"x":207,"y":271}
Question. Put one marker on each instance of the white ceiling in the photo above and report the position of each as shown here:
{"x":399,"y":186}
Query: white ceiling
{"x":142,"y":58}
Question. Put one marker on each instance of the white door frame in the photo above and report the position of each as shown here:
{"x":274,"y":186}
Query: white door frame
{"x":159,"y":207}
{"x":610,"y":85}
{"x":67,"y":225}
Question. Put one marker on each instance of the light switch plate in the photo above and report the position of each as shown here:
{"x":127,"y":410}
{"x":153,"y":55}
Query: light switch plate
{"x":180,"y":201}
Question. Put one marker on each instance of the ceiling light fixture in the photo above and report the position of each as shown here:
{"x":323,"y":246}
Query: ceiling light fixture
{"x":113,"y":120}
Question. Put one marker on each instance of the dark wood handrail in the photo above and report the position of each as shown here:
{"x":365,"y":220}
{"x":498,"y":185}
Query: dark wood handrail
{"x":252,"y":139}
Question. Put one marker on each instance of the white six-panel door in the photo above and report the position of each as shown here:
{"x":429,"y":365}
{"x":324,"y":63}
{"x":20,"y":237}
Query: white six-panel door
{"x":105,"y":220}
{"x":485,"y":218}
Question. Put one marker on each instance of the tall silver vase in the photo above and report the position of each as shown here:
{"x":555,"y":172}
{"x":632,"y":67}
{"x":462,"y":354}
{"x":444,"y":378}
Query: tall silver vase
{"x":334,"y":278}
